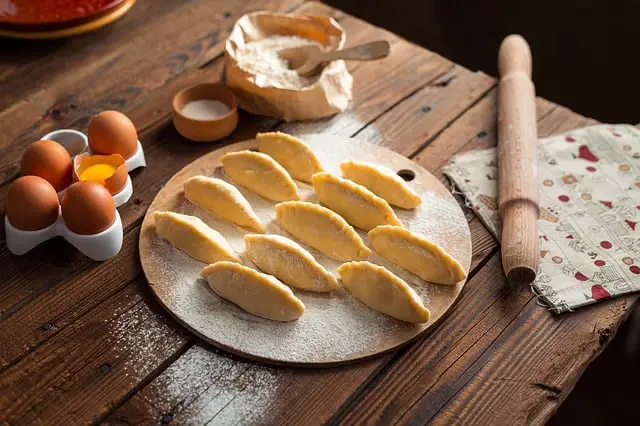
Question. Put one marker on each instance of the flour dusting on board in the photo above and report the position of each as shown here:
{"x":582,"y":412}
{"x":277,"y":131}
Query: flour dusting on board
{"x":335,"y":327}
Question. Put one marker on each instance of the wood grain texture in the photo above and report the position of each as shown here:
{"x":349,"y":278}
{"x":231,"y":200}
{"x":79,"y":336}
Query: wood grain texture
{"x":417,"y":119}
{"x":116,"y":345}
{"x":87,"y":343}
{"x":23,"y":63}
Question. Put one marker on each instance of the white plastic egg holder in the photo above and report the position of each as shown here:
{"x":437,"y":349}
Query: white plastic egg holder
{"x":76,"y":142}
{"x":101,"y":246}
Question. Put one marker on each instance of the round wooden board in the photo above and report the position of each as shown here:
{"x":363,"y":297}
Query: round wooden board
{"x":335,"y":328}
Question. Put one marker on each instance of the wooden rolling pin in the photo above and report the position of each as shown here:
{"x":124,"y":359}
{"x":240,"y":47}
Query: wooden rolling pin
{"x":518,"y":176}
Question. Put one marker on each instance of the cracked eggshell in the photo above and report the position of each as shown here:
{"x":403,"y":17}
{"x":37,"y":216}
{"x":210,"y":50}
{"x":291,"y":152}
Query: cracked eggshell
{"x":114,"y":183}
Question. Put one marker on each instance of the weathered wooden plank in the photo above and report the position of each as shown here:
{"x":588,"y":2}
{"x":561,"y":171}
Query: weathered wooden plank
{"x":431,"y":109}
{"x":123,"y":341}
{"x":475,"y":130}
{"x":410,"y":67}
{"x":204,"y":384}
{"x":504,"y":369}
{"x":130,"y":46}
{"x":490,"y":358}
{"x":32,"y":67}
{"x":96,"y":63}
{"x":74,"y":295}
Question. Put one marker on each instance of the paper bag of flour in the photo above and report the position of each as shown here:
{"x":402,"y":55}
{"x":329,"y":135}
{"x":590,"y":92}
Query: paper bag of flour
{"x":260,"y":84}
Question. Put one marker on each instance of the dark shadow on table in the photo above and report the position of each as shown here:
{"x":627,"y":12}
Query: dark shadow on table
{"x":584,"y":51}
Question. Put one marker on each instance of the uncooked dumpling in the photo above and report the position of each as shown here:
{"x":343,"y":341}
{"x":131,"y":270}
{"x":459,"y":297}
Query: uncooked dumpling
{"x":322,"y":229}
{"x":382,"y":182}
{"x":289,"y":262}
{"x":223,"y":200}
{"x":261,"y":174}
{"x":416,"y":254}
{"x":257,"y":293}
{"x":380,"y":289}
{"x":292,"y":153}
{"x":191,"y":235}
{"x":359,"y":206}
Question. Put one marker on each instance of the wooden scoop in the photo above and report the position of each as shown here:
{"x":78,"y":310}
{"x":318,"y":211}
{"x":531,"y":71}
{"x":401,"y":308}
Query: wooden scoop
{"x":518,"y":177}
{"x":305,"y":59}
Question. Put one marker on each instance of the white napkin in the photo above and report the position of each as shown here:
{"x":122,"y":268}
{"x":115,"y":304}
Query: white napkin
{"x":590,"y":211}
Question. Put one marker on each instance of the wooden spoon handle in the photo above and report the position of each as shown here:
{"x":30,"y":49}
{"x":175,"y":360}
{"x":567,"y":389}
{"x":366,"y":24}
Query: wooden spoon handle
{"x":363,"y":52}
{"x":518,"y":177}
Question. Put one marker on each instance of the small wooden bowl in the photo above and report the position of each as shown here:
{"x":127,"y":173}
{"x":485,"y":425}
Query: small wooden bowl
{"x":205,"y":130}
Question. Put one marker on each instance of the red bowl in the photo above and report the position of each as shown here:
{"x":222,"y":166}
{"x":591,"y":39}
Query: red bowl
{"x":39,"y":13}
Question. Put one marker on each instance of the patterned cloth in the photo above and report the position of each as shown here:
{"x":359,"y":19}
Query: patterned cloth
{"x":590,"y":209}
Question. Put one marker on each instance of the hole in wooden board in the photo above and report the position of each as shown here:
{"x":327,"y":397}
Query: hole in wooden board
{"x":407,"y":175}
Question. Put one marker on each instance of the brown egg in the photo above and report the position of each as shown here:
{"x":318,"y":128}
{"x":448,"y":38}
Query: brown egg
{"x":49,"y":160}
{"x":87,"y":208}
{"x":111,"y":132}
{"x":31,"y":203}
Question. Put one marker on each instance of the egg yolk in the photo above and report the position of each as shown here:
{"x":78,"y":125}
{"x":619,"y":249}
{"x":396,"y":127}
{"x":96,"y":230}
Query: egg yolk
{"x":98,"y":173}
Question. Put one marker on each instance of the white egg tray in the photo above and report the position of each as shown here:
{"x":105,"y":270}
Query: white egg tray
{"x":101,"y":246}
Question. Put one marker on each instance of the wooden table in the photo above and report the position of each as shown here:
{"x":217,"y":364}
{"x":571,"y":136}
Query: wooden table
{"x":82,"y":341}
